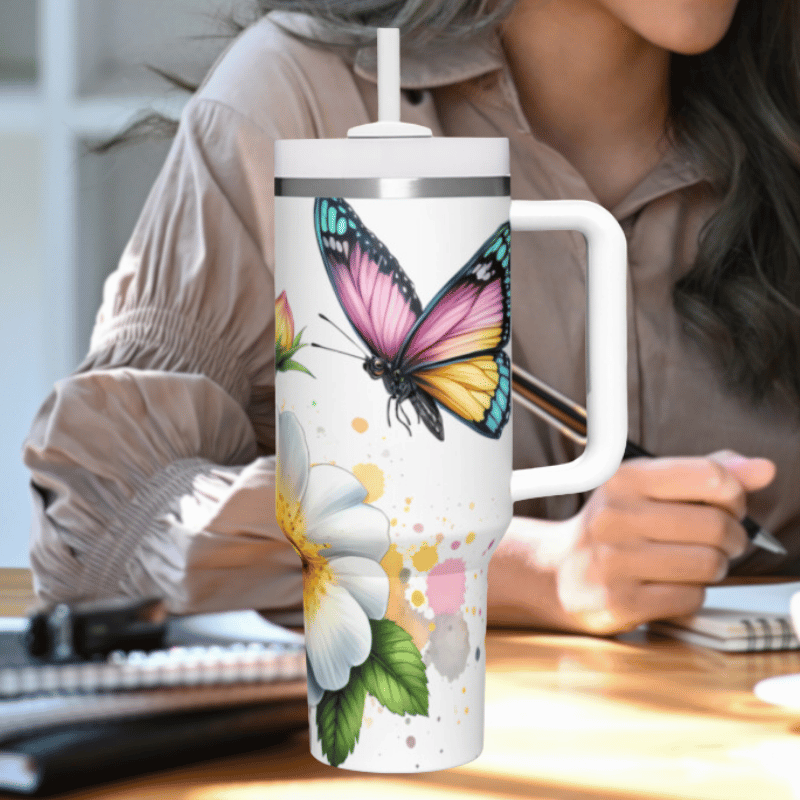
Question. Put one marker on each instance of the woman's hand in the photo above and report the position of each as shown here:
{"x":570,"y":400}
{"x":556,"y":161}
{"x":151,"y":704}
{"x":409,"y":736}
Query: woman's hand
{"x":644,"y":546}
{"x":648,"y":541}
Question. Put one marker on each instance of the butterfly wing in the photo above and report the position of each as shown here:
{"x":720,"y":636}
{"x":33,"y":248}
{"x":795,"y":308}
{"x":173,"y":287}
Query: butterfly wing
{"x":375,"y":293}
{"x":477,"y":390}
{"x":454,"y":352}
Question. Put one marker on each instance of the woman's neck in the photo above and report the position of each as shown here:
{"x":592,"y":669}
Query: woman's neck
{"x":591,"y":88}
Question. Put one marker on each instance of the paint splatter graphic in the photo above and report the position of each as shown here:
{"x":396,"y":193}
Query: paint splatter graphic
{"x":373,"y":480}
{"x":398,"y":607}
{"x":449,"y":646}
{"x":446,"y":586}
{"x":425,"y":558}
{"x":360,"y":425}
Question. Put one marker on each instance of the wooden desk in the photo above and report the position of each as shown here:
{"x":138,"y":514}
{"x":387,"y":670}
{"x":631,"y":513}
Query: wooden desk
{"x":567,"y":718}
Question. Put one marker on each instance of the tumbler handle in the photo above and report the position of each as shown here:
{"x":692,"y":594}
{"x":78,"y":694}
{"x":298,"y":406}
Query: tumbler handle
{"x":606,"y":346}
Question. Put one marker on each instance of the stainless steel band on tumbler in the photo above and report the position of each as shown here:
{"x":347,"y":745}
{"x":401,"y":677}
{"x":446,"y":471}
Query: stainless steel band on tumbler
{"x":394,"y":188}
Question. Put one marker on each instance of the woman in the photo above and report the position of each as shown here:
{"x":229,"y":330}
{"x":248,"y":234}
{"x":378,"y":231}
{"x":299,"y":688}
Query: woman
{"x":151,"y":465}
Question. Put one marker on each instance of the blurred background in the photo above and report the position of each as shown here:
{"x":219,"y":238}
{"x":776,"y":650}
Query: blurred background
{"x":72,"y":74}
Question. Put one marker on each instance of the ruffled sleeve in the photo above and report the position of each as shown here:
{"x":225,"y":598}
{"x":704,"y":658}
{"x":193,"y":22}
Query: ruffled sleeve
{"x":151,"y":466}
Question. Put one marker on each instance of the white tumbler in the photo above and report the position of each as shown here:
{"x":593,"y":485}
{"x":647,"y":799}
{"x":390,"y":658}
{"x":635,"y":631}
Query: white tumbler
{"x":394,"y":415}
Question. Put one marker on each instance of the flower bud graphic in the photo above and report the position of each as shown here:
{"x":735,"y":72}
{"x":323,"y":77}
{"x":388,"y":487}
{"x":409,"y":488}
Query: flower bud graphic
{"x":286,"y":343}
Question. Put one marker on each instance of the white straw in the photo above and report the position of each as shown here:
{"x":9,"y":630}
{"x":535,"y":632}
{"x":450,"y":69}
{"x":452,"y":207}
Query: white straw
{"x":388,"y":75}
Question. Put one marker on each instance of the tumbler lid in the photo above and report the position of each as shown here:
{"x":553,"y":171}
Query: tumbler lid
{"x":390,"y":148}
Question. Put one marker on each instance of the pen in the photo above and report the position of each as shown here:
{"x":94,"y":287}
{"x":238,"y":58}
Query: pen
{"x":568,"y":417}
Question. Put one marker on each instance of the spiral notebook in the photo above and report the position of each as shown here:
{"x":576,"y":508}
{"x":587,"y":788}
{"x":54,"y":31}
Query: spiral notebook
{"x":211,"y":661}
{"x":738,"y":618}
{"x":224,"y":683}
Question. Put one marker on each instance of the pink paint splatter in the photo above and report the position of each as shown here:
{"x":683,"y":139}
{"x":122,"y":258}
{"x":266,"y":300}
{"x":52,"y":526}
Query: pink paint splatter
{"x":446,"y":586}
{"x":419,"y":527}
{"x":455,"y":545}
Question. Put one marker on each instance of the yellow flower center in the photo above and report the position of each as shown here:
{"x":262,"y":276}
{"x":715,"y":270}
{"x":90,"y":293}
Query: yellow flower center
{"x":317,"y":573}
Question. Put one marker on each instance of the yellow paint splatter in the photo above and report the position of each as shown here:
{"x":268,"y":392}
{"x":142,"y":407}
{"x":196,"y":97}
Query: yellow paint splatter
{"x":398,"y":608}
{"x":470,"y":537}
{"x":466,"y":710}
{"x":417,"y":598}
{"x":368,"y":721}
{"x":360,"y":425}
{"x":373,"y":480}
{"x":432,"y":627}
{"x":463,"y":690}
{"x":392,"y":562}
{"x":426,"y":558}
{"x":471,"y":506}
{"x":406,"y":509}
{"x":393,"y":523}
{"x":408,"y":500}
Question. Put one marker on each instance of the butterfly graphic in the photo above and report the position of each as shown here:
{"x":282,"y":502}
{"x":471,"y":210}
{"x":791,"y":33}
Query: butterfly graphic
{"x":450,"y":353}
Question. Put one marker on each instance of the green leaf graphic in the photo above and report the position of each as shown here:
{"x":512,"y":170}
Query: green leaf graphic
{"x":287,"y":365}
{"x":339,"y":717}
{"x":293,"y":349}
{"x":282,"y":355}
{"x":296,"y":343}
{"x":394,"y":673}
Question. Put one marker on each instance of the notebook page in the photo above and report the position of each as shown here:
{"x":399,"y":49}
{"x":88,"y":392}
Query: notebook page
{"x":765,"y":598}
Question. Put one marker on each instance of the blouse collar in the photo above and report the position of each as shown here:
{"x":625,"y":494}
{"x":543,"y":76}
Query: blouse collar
{"x":447,"y":63}
{"x":443,"y":64}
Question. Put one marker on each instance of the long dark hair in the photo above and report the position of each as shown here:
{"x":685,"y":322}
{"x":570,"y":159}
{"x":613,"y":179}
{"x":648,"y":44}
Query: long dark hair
{"x":421,"y":22}
{"x":736,"y":112}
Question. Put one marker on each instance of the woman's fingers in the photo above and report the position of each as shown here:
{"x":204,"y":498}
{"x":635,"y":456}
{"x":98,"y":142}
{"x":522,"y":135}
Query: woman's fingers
{"x":604,"y":609}
{"x":663,"y":600}
{"x":629,"y":522}
{"x":752,"y":473}
{"x":654,"y":562}
{"x":720,"y":480}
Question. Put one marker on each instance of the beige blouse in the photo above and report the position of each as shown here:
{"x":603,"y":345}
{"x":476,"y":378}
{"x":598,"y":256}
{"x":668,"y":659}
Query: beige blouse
{"x":151,"y":465}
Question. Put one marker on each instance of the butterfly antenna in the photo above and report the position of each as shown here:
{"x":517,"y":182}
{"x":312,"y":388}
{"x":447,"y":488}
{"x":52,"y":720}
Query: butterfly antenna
{"x":352,"y":341}
{"x":334,"y":350}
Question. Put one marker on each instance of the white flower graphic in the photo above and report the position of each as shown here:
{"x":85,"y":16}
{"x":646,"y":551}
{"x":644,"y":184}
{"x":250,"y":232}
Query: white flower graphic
{"x":417,"y":595}
{"x":340,"y":540}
